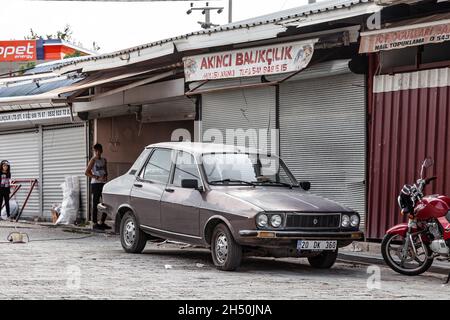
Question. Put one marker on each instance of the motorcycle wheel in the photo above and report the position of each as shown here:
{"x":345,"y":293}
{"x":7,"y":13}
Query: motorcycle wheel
{"x":413,"y":265}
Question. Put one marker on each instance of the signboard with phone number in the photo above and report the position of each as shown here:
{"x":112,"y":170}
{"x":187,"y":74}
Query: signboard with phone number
{"x":34,"y":115}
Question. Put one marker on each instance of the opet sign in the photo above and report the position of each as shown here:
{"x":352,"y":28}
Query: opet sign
{"x":18,"y":50}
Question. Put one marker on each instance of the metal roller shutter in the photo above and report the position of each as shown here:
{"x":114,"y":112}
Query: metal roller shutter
{"x":322,"y":134}
{"x":240,"y":109}
{"x":64,"y":154}
{"x":22,"y":150}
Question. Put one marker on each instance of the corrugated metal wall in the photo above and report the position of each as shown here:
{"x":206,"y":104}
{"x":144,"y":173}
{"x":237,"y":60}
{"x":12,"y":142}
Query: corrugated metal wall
{"x":410,"y":121}
{"x":64,"y":154}
{"x":322,"y":134}
{"x":22,"y":150}
{"x":240,"y":109}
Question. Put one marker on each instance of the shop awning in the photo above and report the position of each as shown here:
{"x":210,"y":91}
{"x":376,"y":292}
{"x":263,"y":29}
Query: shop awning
{"x":426,"y":30}
{"x":59,"y":95}
{"x":148,"y":75}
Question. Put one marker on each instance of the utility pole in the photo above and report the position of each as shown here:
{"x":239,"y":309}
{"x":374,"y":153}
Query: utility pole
{"x":230,"y":11}
{"x":206,"y":10}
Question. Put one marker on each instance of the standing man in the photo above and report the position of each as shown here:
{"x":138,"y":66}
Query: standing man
{"x":97,"y":171}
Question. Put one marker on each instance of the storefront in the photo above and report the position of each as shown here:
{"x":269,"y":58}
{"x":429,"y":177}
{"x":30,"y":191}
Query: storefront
{"x":37,"y":148}
{"x":408,"y":112}
{"x":129,"y":120}
{"x":315,"y":119}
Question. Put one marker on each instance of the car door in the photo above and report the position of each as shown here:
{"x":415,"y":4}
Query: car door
{"x":149,"y":186}
{"x":180,"y":211}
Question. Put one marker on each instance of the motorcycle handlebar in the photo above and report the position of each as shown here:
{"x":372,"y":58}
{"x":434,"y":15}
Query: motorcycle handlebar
{"x":427,"y":181}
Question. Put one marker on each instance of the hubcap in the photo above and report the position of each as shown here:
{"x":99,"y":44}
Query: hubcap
{"x":129,"y":234}
{"x":221,"y":248}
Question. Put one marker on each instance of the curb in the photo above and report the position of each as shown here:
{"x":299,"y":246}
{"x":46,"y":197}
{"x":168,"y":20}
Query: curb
{"x":69,"y":228}
{"x":437,"y":267}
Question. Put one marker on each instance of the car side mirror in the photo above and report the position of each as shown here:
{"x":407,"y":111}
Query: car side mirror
{"x":306,"y":185}
{"x":191,"y":184}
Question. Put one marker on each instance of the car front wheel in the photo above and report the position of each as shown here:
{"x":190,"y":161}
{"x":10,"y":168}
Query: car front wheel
{"x":226,"y":252}
{"x":133,"y":239}
{"x":324,"y":260}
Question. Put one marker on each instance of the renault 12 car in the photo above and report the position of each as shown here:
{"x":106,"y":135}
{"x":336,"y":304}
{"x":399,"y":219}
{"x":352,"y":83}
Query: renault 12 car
{"x":230,"y":199}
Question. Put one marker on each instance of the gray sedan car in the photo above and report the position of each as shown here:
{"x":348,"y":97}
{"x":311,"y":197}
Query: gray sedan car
{"x":230,"y":199}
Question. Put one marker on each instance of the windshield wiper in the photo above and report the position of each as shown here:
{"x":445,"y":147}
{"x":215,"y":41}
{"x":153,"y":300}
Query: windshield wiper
{"x":232,"y":181}
{"x":276,"y":182}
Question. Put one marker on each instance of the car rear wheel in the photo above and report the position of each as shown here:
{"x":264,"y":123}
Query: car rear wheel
{"x":226,"y":252}
{"x":324,"y":260}
{"x":133,"y":239}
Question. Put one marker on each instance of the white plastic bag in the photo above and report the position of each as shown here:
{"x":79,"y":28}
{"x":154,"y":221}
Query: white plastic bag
{"x":71,"y":201}
{"x":13,"y":209}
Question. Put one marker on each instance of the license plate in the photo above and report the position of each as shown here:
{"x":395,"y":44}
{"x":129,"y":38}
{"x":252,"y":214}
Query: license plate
{"x":316,"y":245}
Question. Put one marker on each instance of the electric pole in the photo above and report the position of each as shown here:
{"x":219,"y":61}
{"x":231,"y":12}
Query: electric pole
{"x":206,"y":10}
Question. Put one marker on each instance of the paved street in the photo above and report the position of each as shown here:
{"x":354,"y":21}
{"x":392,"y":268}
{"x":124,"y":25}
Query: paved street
{"x":59,"y":264}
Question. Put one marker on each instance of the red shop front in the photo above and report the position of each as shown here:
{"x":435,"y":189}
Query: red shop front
{"x":408,"y":114}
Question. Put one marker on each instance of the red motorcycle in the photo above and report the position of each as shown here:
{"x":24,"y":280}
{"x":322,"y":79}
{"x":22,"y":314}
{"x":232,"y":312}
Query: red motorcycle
{"x":410,"y":248}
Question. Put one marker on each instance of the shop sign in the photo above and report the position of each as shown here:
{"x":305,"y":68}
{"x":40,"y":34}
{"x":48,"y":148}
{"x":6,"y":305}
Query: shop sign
{"x":34,"y":115}
{"x":18,"y":50}
{"x":250,"y":62}
{"x":406,"y":36}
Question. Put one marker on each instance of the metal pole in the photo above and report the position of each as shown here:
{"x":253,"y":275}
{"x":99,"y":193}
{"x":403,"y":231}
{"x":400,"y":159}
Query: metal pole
{"x":41,"y":171}
{"x":207,"y":18}
{"x":230,"y":11}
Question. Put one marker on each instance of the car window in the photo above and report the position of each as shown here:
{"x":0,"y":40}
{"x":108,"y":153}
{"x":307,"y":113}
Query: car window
{"x":185,"y":168}
{"x":158,"y":167}
{"x":246,"y":167}
{"x":140,"y":161}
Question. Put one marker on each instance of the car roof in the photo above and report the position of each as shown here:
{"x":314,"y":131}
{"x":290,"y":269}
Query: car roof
{"x":201,"y":147}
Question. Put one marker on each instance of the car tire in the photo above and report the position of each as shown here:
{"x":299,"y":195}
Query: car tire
{"x":324,"y":260}
{"x":226,"y":252}
{"x":132,"y":238}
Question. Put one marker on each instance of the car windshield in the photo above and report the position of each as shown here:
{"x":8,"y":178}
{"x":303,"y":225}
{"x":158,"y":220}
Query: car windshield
{"x":246,"y":168}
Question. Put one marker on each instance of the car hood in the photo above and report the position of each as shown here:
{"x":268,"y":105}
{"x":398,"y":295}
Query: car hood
{"x":284,"y":199}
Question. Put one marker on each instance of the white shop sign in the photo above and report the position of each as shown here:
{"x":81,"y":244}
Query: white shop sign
{"x":34,"y":115}
{"x":250,"y":62}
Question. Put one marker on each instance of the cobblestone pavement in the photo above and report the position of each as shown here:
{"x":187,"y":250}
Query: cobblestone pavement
{"x":57,"y":264}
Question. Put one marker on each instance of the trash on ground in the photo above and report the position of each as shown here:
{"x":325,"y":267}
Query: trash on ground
{"x":71,"y":200}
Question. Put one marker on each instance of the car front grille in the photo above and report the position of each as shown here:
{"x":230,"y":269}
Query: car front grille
{"x":313,"y":221}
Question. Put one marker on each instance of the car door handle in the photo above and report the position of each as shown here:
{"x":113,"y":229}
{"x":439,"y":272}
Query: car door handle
{"x":137,"y":185}
{"x":169,"y":190}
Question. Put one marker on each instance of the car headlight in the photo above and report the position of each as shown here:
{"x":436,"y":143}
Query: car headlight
{"x":276,"y":220}
{"x":345,"y":222}
{"x":354,"y":220}
{"x":261,"y":220}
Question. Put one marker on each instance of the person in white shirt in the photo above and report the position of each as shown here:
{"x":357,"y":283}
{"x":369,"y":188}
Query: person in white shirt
{"x":97,"y":171}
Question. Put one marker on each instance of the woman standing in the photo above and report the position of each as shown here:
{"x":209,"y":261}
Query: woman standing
{"x":5,"y":185}
{"x":98,"y":173}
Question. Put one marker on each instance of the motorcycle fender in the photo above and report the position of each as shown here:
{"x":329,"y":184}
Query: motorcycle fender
{"x":399,"y":229}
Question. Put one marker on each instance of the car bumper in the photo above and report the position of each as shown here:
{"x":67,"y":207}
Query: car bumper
{"x":301,"y":235}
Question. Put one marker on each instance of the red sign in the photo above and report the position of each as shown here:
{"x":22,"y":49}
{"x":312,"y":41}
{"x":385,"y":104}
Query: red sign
{"x":405,"y":36}
{"x":18,"y":50}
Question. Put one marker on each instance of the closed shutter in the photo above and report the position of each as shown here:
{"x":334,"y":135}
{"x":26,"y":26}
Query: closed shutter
{"x":22,"y":151}
{"x":244,"y":109}
{"x":64,"y":154}
{"x":322,"y":134}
